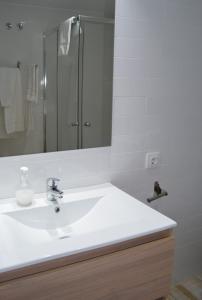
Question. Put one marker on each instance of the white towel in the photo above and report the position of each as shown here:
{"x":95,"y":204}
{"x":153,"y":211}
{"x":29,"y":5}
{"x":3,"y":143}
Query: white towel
{"x":65,"y":30}
{"x":32,"y":97}
{"x":11,"y":99}
{"x":30,"y":75}
{"x":30,"y":121}
{"x":33,"y":84}
{"x":14,"y":114}
{"x":3,"y":134}
{"x":7,"y":85}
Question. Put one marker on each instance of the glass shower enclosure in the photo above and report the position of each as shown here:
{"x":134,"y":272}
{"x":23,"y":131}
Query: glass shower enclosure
{"x":78,"y":86}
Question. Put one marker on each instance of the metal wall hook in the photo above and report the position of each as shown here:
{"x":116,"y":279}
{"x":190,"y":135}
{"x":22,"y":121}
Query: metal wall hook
{"x":75,"y":124}
{"x":20,"y":25}
{"x":158,"y":193}
{"x":18,"y":64}
{"x":87,"y":124}
{"x":9,"y":25}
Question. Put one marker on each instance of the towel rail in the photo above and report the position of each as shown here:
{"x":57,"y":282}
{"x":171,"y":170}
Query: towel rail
{"x":19,"y":65}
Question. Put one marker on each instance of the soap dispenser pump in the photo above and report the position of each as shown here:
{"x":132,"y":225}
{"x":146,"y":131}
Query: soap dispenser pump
{"x":25,"y":194}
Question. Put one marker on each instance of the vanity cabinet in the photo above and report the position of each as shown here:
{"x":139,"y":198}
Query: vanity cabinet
{"x":141,"y":272}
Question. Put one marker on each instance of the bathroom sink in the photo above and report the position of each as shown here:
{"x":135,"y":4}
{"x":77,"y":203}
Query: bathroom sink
{"x":89,"y":218}
{"x":32,"y":226}
{"x":40,"y":225}
{"x":46,"y":217}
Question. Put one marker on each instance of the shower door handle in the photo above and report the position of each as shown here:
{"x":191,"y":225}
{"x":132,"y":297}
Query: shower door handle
{"x":75,"y":124}
{"x":87,"y":124}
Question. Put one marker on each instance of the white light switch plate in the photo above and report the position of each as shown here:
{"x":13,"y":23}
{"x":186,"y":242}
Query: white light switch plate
{"x":152,"y":160}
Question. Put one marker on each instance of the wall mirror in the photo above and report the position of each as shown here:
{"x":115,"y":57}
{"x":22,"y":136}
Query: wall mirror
{"x":56,"y":70}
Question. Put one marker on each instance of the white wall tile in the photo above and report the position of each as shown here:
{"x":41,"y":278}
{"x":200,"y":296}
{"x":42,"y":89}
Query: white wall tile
{"x":127,"y":161}
{"x":131,"y":28}
{"x":141,"y":9}
{"x":138,"y":68}
{"x":74,"y":168}
{"x":160,"y":41}
{"x":188,"y":261}
{"x":128,"y":143}
{"x":127,"y":87}
{"x":129,"y":106}
{"x":139,"y":48}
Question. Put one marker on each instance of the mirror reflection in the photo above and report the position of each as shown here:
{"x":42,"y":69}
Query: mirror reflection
{"x":56,"y":70}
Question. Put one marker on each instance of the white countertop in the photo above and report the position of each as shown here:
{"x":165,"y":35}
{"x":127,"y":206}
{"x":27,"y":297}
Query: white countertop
{"x":91,"y":217}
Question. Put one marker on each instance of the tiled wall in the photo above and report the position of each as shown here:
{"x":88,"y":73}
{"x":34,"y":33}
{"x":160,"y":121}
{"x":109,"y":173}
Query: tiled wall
{"x":74,"y":168}
{"x":157,"y":107}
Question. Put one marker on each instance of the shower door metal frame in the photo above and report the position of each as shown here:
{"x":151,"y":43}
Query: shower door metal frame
{"x":82,"y":19}
{"x":44,"y":94}
{"x":45,"y":35}
{"x":80,"y":84}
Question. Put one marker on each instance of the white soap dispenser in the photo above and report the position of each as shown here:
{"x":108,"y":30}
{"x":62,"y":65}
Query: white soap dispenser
{"x":25,"y":194}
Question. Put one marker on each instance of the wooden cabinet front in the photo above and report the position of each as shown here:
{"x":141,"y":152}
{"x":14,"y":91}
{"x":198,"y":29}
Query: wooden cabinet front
{"x":139,"y":273}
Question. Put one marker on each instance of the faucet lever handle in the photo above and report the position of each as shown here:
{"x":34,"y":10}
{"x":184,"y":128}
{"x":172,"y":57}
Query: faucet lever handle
{"x":53,"y":181}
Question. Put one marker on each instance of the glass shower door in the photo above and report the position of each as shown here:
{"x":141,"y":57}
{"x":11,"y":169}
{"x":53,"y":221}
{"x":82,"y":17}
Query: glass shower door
{"x":78,"y":87}
{"x":97,"y":74}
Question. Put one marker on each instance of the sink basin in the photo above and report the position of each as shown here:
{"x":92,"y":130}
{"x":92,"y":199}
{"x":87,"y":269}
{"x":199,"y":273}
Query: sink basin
{"x":89,"y":218}
{"x":40,"y":225}
{"x":47,"y":218}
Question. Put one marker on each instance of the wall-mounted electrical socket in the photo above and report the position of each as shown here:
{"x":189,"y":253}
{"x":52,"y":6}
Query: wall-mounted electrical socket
{"x":152,"y":160}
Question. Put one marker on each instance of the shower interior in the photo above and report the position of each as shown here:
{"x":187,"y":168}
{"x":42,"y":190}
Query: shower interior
{"x":78,"y":86}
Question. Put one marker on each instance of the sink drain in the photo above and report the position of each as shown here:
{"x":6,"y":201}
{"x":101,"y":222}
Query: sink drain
{"x":57,"y":209}
{"x":64,"y":237}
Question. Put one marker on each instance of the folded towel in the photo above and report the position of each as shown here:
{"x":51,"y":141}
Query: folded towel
{"x":65,"y":30}
{"x":32,"y":96}
{"x":33,"y":84}
{"x":11,"y":99}
{"x":7,"y":85}
{"x":14,"y":114}
{"x":30,"y":120}
{"x":3,"y":134}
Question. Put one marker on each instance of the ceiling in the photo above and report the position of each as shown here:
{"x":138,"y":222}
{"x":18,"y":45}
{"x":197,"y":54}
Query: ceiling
{"x":93,"y":5}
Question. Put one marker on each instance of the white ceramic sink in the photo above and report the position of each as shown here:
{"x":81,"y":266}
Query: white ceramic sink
{"x":42,"y":224}
{"x":46,"y":218}
{"x":89,"y":218}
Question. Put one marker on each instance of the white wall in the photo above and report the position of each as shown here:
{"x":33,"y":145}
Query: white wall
{"x":157,"y":106}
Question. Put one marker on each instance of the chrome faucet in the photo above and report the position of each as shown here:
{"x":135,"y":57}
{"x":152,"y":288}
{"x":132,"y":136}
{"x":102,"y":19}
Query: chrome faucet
{"x":53,"y":192}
